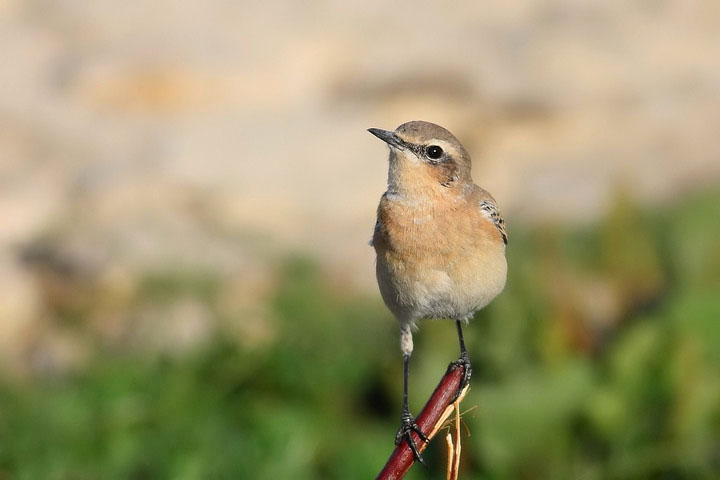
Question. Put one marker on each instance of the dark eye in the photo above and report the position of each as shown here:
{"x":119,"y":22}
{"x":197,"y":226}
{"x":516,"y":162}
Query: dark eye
{"x":434,"y":152}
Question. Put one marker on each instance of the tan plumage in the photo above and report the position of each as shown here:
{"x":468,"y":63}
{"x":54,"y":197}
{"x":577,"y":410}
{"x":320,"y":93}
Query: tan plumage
{"x":438,"y":258}
{"x":439,"y":238}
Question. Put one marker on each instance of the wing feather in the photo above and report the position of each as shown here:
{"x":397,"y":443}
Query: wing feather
{"x":490,"y":208}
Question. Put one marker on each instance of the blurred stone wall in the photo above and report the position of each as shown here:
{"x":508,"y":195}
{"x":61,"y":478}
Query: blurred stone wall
{"x":148,"y":135}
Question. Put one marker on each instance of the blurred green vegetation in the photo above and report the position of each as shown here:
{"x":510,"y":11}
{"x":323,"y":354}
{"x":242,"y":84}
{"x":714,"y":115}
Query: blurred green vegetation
{"x":601,"y":360}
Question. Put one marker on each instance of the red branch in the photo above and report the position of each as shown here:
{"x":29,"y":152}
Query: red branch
{"x":402,"y":457}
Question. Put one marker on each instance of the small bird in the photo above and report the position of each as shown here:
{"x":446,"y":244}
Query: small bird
{"x":440,"y":242}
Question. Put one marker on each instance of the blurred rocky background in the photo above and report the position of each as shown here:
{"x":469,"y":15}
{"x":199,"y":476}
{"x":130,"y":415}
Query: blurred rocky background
{"x":186,"y":195}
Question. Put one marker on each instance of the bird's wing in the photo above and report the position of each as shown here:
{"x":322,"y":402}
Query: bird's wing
{"x":377,"y":236}
{"x":376,"y":231}
{"x":490,"y":209}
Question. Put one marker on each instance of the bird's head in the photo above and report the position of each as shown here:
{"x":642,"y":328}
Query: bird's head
{"x":424,"y":159}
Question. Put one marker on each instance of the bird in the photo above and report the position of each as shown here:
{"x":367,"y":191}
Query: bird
{"x":440,"y":242}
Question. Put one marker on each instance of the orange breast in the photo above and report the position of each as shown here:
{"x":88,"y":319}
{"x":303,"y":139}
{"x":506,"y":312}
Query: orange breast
{"x":439,"y":253}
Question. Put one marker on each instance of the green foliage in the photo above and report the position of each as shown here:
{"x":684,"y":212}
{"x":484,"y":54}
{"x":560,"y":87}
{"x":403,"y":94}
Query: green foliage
{"x":600,"y":360}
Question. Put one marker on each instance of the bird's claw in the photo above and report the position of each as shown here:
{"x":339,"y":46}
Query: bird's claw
{"x":405,"y":432}
{"x":464,"y":362}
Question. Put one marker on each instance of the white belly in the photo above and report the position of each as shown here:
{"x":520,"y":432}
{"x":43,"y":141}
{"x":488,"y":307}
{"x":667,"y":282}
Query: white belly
{"x":454,"y":293}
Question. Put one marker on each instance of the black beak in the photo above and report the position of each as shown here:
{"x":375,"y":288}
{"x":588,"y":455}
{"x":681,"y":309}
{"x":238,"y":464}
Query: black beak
{"x":388,"y":137}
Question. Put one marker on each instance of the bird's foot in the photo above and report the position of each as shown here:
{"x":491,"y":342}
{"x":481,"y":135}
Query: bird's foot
{"x":463,"y":362}
{"x":405,"y":432}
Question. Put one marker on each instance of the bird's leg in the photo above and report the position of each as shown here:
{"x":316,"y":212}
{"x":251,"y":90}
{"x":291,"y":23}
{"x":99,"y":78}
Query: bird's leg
{"x":408,"y":421}
{"x":463,"y":361}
